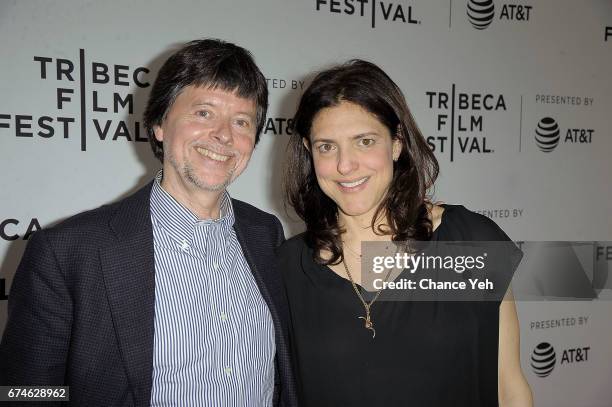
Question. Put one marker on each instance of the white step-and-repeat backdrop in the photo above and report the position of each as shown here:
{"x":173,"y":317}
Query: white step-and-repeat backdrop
{"x":514,"y":97}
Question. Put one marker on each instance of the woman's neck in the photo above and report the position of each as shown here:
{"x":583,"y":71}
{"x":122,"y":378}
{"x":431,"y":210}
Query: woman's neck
{"x":359,"y":229}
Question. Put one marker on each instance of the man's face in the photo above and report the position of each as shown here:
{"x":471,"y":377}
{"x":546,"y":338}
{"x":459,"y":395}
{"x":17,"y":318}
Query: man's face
{"x":208,"y":137}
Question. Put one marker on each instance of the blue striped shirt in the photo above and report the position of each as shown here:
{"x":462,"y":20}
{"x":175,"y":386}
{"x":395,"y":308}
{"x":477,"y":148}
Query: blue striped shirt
{"x":214,"y":336}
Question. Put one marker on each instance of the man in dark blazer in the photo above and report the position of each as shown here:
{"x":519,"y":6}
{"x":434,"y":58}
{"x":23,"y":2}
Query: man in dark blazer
{"x":168,"y":296}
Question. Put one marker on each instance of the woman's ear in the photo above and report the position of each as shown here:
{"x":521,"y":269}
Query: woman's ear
{"x":397,"y":148}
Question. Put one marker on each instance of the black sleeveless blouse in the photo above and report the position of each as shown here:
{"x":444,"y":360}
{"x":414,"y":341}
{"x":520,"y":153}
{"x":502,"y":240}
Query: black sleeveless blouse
{"x":424,"y":354}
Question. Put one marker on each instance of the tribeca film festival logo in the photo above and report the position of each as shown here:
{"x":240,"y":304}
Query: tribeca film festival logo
{"x":460,"y":120}
{"x":481,"y":13}
{"x":377,"y":10}
{"x":10,"y":231}
{"x":3,"y":290}
{"x":544,"y":358}
{"x":548,"y":135}
{"x":74,"y":93}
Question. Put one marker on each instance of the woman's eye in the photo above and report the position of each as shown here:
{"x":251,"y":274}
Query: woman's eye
{"x":325,"y":148}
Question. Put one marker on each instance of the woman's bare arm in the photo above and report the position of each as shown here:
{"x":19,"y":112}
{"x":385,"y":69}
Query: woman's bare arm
{"x":513,"y":388}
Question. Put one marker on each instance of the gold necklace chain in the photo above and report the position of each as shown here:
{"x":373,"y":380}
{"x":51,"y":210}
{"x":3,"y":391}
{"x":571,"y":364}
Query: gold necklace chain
{"x":366,"y":305}
{"x":345,"y":246}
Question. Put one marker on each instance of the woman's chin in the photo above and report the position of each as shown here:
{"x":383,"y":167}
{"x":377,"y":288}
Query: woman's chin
{"x":356,"y":211}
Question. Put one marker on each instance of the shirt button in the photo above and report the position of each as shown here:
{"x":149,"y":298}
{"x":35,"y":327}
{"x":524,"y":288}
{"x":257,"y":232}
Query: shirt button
{"x":185,"y":246}
{"x":223,"y":316}
{"x":216,"y":265}
{"x":228,"y":370}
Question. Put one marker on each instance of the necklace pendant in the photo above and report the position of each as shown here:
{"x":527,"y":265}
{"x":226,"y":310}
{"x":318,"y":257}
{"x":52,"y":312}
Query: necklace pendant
{"x":369,"y":325}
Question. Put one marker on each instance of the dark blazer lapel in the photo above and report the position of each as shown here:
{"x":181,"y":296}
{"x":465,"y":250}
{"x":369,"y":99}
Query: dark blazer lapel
{"x":260,"y":261}
{"x":252,"y":239}
{"x":128,"y":266}
{"x":249,"y":235}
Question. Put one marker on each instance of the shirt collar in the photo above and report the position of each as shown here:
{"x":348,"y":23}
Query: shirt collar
{"x":179,"y":221}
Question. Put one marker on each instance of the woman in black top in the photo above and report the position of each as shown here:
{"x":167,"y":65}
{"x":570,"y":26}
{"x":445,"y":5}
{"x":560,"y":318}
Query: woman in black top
{"x":359,"y":170}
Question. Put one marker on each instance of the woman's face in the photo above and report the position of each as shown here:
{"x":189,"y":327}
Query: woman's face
{"x":353,"y":155}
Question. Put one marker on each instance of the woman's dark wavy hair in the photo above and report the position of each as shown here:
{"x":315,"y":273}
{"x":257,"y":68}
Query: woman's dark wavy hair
{"x":404,"y":206}
{"x":210,"y":63}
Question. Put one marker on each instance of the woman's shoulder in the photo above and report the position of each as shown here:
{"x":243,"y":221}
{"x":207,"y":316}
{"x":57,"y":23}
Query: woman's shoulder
{"x":435,"y":214}
{"x":293,"y":251}
{"x":459,"y":223}
{"x":293,"y":246}
{"x":295,"y":262}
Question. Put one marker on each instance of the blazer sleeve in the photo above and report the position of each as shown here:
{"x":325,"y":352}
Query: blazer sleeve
{"x":36,"y":339}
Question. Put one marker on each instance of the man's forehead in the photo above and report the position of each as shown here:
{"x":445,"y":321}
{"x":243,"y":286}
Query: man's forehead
{"x":206,"y":95}
{"x":216,"y":90}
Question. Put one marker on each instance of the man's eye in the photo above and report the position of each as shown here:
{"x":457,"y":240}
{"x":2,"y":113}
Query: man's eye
{"x":243,"y":123}
{"x":366,"y":142}
{"x":204,"y":113}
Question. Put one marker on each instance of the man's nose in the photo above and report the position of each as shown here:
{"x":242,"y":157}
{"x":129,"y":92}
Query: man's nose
{"x":223,"y":132}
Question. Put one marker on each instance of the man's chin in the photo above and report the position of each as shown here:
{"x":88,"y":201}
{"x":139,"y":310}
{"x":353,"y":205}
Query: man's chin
{"x":215,"y":188}
{"x":210,"y":184}
{"x":214,"y":185}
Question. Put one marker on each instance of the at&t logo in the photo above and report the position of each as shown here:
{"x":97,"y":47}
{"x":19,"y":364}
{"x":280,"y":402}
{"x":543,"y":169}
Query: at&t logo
{"x":481,"y":13}
{"x":548,"y":135}
{"x":544,"y":358}
{"x":278,"y":126}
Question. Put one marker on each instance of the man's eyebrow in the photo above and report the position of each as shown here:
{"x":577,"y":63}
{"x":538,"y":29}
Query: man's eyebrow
{"x":249,"y":114}
{"x":366,"y":134}
{"x":201,"y":103}
{"x":214,"y":104}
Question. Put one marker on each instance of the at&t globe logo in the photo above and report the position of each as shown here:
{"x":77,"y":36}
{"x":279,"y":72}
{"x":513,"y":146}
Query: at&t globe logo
{"x":543,"y":359}
{"x":480,"y":13}
{"x":547,"y":134}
